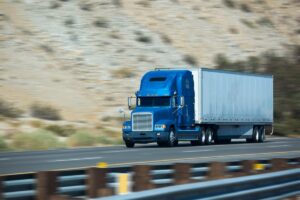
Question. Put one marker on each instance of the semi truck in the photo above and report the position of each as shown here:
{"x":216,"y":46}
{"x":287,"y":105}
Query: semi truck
{"x":202,"y":105}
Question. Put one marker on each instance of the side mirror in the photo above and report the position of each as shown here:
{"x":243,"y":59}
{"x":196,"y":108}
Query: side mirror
{"x":181,"y":101}
{"x":131,"y":105}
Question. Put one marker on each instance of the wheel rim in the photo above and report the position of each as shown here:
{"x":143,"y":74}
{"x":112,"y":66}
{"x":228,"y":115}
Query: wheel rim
{"x":209,"y":136}
{"x":203,"y":138}
{"x":172,"y":137}
{"x":256,"y":135}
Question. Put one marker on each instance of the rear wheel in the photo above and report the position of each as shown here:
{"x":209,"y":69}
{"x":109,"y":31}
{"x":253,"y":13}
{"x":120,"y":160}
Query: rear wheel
{"x":262,"y":134}
{"x":200,"y":139}
{"x":255,"y":134}
{"x":129,"y":144}
{"x":208,"y":135}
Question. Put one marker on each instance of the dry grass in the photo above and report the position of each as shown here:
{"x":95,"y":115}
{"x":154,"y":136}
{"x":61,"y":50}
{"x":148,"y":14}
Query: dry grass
{"x":44,"y":112}
{"x":38,"y":140}
{"x":124,"y":72}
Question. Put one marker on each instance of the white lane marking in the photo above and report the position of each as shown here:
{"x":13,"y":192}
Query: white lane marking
{"x":75,"y":159}
{"x":117,"y":151}
{"x":278,"y":146}
{"x":194,"y":151}
{"x":3,"y":159}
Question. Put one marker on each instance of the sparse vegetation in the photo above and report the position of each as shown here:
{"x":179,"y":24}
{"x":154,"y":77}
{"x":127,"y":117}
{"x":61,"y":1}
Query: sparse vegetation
{"x":101,"y":23}
{"x":86,"y":6}
{"x":117,"y":3}
{"x":9,"y":110}
{"x":69,"y":22}
{"x":248,"y":23}
{"x":166,"y":39}
{"x":190,"y":60}
{"x":38,"y":140}
{"x":3,"y":145}
{"x":286,"y":73}
{"x":144,"y":39}
{"x":124,"y":72}
{"x":233,"y":30}
{"x":229,"y":3}
{"x":245,"y":7}
{"x":44,"y":112}
{"x":145,"y":3}
{"x":265,"y":21}
{"x":63,"y":131}
{"x":54,"y":5}
{"x":82,"y":138}
{"x":46,"y":48}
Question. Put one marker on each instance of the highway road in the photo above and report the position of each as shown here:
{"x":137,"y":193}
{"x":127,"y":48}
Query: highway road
{"x":117,"y":156}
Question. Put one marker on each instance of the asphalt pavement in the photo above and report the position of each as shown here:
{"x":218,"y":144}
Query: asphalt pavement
{"x":118,"y":156}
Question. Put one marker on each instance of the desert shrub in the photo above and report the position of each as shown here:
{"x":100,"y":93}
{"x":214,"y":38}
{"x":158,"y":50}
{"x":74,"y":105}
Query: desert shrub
{"x":63,"y":131}
{"x":46,"y":48}
{"x":245,"y":7}
{"x":233,"y":30}
{"x":166,"y":39}
{"x":265,"y":21}
{"x":248,"y":23}
{"x":286,"y":72}
{"x":124,"y":72}
{"x":44,"y":112}
{"x":229,"y":3}
{"x":9,"y":110}
{"x":101,"y":23}
{"x":144,"y":39}
{"x":117,"y":3}
{"x":190,"y":60}
{"x":82,"y":138}
{"x":54,"y":5}
{"x":86,"y":6}
{"x":69,"y":22}
{"x":3,"y":145}
{"x":145,"y":3}
{"x":38,"y":140}
{"x":36,"y":123}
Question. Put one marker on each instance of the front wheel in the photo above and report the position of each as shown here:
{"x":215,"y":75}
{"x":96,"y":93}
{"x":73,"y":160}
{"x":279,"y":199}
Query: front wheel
{"x":172,"y":138}
{"x":129,"y":144}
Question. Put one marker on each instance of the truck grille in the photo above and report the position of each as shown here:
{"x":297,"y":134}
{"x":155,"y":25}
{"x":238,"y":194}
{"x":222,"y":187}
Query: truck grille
{"x":142,"y":122}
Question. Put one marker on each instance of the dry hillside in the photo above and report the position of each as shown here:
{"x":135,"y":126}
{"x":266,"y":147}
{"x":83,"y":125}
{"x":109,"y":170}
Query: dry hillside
{"x":85,"y":57}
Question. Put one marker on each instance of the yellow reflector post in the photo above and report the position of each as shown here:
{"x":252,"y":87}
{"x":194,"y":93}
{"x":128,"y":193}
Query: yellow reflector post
{"x":258,"y":166}
{"x":102,"y":165}
{"x":123,"y":184}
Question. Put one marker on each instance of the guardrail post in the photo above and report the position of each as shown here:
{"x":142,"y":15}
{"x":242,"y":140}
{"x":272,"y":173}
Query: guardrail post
{"x":248,"y":167}
{"x":46,"y":184}
{"x":279,"y":164}
{"x":182,"y":173}
{"x":216,"y":170}
{"x":1,"y":187}
{"x":141,"y":178}
{"x":96,"y":183}
{"x":60,"y":197}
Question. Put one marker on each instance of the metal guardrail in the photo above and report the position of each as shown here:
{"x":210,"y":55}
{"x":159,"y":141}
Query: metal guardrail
{"x":77,"y":183}
{"x":275,"y":185}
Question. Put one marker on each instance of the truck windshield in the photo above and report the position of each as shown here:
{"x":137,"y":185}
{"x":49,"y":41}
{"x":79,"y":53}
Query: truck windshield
{"x":153,"y":101}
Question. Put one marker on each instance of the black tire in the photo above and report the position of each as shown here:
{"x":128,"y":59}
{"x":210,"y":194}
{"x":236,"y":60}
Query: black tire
{"x":249,"y":140}
{"x":161,"y":144}
{"x":209,"y":133}
{"x":195,"y":142}
{"x":255,"y":134}
{"x":172,"y":141}
{"x":262,"y":134}
{"x":129,"y":144}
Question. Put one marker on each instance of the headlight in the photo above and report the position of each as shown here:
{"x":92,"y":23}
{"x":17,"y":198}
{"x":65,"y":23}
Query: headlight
{"x":126,"y":127}
{"x":160,"y":126}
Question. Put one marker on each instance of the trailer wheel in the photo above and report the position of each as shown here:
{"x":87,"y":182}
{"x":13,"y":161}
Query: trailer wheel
{"x":129,"y":144}
{"x":208,"y":136}
{"x":172,"y":138}
{"x":262,"y":134}
{"x":255,"y":135}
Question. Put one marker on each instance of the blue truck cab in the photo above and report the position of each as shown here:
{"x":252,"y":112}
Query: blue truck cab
{"x":166,"y":109}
